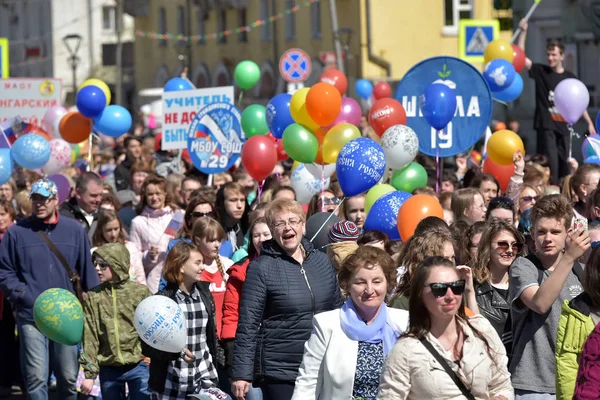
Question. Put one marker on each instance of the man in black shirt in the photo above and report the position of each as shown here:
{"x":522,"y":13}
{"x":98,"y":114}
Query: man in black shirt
{"x":552,"y":130}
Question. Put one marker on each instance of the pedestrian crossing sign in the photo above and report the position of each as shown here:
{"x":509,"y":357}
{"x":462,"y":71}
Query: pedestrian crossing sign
{"x":473,"y":37}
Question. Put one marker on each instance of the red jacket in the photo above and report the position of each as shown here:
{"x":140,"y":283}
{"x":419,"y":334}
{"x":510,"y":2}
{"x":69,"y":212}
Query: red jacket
{"x":233,"y":295}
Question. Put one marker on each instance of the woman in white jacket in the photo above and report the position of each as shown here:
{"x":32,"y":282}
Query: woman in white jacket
{"x":345,"y":354}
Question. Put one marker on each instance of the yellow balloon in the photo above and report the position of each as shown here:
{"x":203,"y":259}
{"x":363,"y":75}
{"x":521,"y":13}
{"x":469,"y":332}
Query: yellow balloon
{"x":298,"y":110}
{"x":336,"y":138}
{"x":101,"y":84}
{"x":498,"y":49}
{"x":375,"y":193}
{"x":295,"y":165}
{"x":502,"y":145}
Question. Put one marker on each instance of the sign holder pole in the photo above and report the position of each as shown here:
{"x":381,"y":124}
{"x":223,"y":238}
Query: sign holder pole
{"x":90,"y":141}
{"x":210,"y":180}
{"x":535,"y":4}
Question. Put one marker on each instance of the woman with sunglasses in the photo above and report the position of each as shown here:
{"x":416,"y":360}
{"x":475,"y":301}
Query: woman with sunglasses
{"x":443,"y":344}
{"x":499,"y":246}
{"x":528,"y":196}
{"x":323,"y":202}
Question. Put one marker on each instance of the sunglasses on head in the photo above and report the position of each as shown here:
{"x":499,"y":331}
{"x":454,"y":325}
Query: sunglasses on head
{"x":516,"y":247}
{"x":199,"y":214}
{"x":331,"y":201}
{"x":439,"y":289}
{"x":529,"y":199}
{"x":101,"y":264}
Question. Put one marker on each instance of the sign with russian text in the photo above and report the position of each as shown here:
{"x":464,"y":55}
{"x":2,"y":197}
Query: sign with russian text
{"x":28,"y":98}
{"x":473,"y":105}
{"x":215,"y":138}
{"x":180,"y":109}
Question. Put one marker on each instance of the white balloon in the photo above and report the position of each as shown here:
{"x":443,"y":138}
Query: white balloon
{"x":318,"y":170}
{"x":400,"y":145}
{"x":55,"y":127}
{"x":161,"y":323}
{"x":305,"y":184}
{"x":60,"y":157}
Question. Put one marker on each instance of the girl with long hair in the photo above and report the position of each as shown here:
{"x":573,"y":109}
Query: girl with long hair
{"x":468,"y":205}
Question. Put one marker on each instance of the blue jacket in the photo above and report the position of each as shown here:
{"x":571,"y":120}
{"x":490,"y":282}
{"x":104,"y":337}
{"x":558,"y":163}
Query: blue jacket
{"x":28,"y":267}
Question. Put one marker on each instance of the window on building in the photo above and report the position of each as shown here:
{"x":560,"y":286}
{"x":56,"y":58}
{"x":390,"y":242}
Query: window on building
{"x":242,"y":23}
{"x":454,"y":11}
{"x":222,"y":26}
{"x":108,"y":18}
{"x":290,"y":20}
{"x":265,"y":28}
{"x":200,"y":27}
{"x":162,"y":24}
{"x":315,"y":20}
{"x":181,"y":20}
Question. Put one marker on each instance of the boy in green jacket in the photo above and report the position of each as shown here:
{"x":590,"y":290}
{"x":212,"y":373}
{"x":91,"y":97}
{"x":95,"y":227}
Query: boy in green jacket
{"x":111,"y":345}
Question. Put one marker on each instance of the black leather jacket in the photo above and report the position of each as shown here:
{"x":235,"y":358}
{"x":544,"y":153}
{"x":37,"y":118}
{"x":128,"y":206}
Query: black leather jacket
{"x":492,"y":306}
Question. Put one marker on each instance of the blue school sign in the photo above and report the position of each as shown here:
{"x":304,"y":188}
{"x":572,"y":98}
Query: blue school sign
{"x":473,"y":108}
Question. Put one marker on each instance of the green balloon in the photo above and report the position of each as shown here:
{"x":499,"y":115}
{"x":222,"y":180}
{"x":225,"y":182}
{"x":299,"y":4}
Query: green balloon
{"x":300,"y":144}
{"x":58,"y":315}
{"x":409,"y":178}
{"x":246,"y":74}
{"x":254,"y":121}
{"x":375,"y":193}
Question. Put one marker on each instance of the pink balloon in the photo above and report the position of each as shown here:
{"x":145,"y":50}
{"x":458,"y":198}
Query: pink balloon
{"x":350,"y":113}
{"x":50,"y":116}
{"x":63,"y":186}
{"x":60,"y":157}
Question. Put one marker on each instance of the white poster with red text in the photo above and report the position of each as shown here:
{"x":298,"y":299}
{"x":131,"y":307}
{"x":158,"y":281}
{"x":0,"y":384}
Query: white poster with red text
{"x":28,"y":98}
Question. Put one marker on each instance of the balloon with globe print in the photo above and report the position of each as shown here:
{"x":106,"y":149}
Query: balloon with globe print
{"x":58,"y":315}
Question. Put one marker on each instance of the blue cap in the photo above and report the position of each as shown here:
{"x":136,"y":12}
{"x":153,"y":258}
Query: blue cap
{"x":44,"y":187}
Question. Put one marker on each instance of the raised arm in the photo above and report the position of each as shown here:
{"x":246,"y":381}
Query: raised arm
{"x":521,"y":42}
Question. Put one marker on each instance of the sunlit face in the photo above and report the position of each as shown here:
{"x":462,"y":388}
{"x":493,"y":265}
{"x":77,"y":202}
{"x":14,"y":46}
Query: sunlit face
{"x":43,"y":207}
{"x":447,"y":186}
{"x":260,"y":233}
{"x":111,"y":231}
{"x":155,"y":197}
{"x":527,"y":199}
{"x":476,"y":212}
{"x":367,"y":288}
{"x":550,"y":236}
{"x":554,"y":57}
{"x":287,"y":230}
{"x":589,"y":184}
{"x":444,"y":307}
{"x":355,"y":210}
{"x":103,"y":269}
{"x":137,"y":181}
{"x":90,"y":199}
{"x":5,"y":219}
{"x":209,"y":247}
{"x":448,"y":217}
{"x":505,"y":249}
{"x":489,"y":190}
{"x":473,"y":246}
{"x":284,"y":180}
{"x":328,"y":202}
{"x":135,"y":148}
{"x":448,"y":252}
{"x":6,"y":192}
{"x":235,"y":204}
{"x":187,"y":188}
{"x":192,"y":269}
{"x":502,"y":214}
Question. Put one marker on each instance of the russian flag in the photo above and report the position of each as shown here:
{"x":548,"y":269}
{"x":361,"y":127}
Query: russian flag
{"x":11,"y":129}
{"x":175,"y":224}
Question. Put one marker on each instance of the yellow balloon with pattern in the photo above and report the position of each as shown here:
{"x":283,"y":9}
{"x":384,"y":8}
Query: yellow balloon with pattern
{"x":336,"y":138}
{"x":498,"y":49}
{"x":101,"y":84}
{"x":298,"y":110}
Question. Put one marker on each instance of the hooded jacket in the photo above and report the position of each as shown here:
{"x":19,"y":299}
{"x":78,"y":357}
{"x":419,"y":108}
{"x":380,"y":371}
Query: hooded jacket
{"x":109,"y":335}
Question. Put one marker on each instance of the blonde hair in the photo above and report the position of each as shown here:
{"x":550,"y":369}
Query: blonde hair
{"x":462,"y":200}
{"x":279,"y":206}
{"x":210,"y":229}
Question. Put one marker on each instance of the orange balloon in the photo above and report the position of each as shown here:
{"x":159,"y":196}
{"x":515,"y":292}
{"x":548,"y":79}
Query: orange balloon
{"x":500,"y":126}
{"x":320,"y":135}
{"x":414,"y":210}
{"x":323,"y":103}
{"x":74,"y":127}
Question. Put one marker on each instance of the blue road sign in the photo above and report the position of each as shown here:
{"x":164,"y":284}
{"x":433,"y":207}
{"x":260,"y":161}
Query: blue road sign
{"x":295,"y":66}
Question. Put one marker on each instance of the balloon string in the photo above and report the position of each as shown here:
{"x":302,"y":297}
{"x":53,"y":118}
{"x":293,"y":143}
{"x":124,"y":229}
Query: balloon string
{"x":240,"y":98}
{"x":259,"y":191}
{"x":437,"y":167}
{"x":571,"y":134}
{"x":322,"y":187}
{"x":90,"y":141}
{"x":328,"y":218}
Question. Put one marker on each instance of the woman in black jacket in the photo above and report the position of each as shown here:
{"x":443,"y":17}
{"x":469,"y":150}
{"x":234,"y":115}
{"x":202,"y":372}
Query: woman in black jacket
{"x":285,"y":287}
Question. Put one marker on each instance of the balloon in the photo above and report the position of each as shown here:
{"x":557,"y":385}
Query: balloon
{"x":60,"y":157}
{"x":298,"y":110}
{"x":114,"y":121}
{"x":414,"y":210}
{"x":502,"y":173}
{"x":385,"y":113}
{"x":571,"y":99}
{"x":278,"y":114}
{"x":101,"y":84}
{"x":359,"y":166}
{"x":300,"y":144}
{"x":318,"y":171}
{"x":259,"y":157}
{"x":254,"y":121}
{"x":438,"y":105}
{"x":59,"y":316}
{"x":336,"y":78}
{"x":6,"y":165}
{"x":384,"y":214}
{"x":409,"y":178}
{"x":161,"y":323}
{"x":282,"y":155}
{"x":52,"y":114}
{"x":502,"y":145}
{"x":519,"y":58}
{"x":591,"y":145}
{"x":63,"y":185}
{"x":350,"y":112}
{"x":512,"y":92}
{"x":498,"y":49}
{"x":75,"y":128}
{"x":375,"y":193}
{"x":178,"y":84}
{"x":90,"y":101}
{"x":305,"y":184}
{"x":499,"y":126}
{"x":363,"y":88}
{"x":382,"y":90}
{"x":592,"y":160}
{"x":31,"y":151}
{"x":400,"y":145}
{"x":336,"y":138}
{"x":323,"y":103}
{"x":314,"y":223}
{"x":499,"y":74}
{"x":246,"y":74}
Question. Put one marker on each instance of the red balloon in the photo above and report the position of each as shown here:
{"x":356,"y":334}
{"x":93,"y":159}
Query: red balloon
{"x":382,"y":90}
{"x":385,"y":113}
{"x":518,"y":58}
{"x":282,"y":155}
{"x":501,"y":172}
{"x":259,"y":157}
{"x":336,"y":78}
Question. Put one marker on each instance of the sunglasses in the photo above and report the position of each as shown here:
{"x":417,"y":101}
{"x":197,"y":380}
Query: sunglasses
{"x":331,"y":201}
{"x":529,"y":199}
{"x":101,"y":264}
{"x":439,"y":289}
{"x":516,"y":247}
{"x":198,"y":214}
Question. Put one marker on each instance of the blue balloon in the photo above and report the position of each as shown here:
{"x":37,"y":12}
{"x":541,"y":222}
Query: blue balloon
{"x":512,"y":92}
{"x":278,"y":114}
{"x":438,"y":104}
{"x":383,"y":215}
{"x":499,"y":74}
{"x":31,"y":151}
{"x":363,"y":88}
{"x":90,"y":101}
{"x":178,"y":84}
{"x":6,"y":165}
{"x":360,"y":166}
{"x":598,"y":122}
{"x":592,"y":160}
{"x":114,"y":121}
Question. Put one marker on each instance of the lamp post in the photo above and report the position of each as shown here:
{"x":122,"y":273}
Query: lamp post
{"x":72,"y":43}
{"x":344,"y":36}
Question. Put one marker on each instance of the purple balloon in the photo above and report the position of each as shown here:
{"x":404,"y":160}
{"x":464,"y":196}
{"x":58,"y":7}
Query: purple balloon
{"x":571,"y":99}
{"x":350,"y":113}
{"x":63,"y":186}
